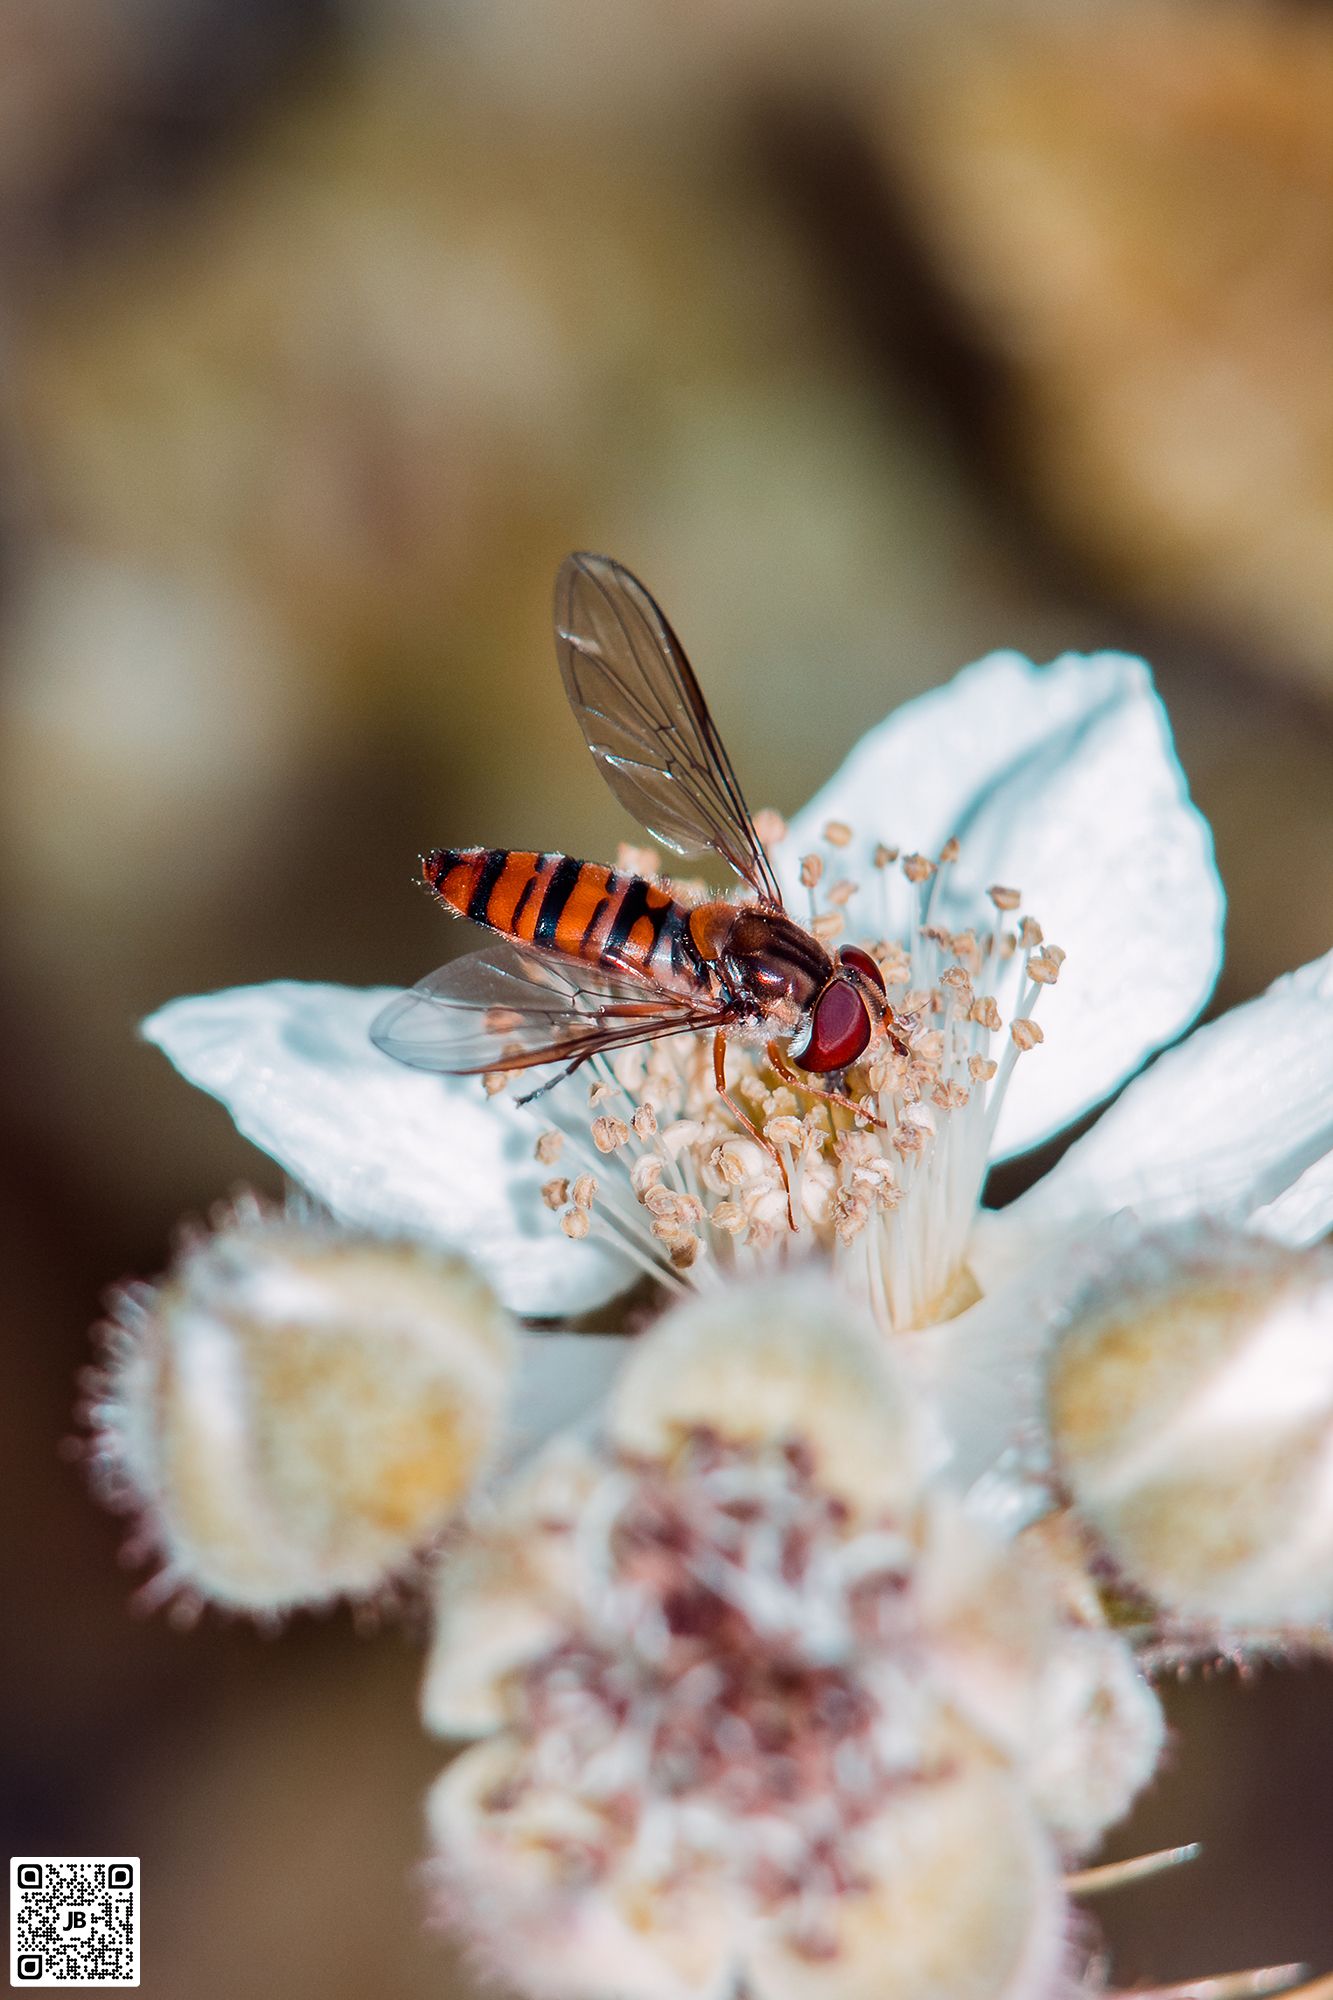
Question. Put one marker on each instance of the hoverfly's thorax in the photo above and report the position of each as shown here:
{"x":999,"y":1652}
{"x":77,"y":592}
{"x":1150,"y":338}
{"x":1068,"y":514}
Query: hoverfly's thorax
{"x":770,"y":961}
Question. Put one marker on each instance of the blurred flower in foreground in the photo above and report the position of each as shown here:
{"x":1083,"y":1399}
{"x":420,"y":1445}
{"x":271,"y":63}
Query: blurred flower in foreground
{"x":294,"y":1411}
{"x":762,"y":1704}
{"x":767,"y":1706}
{"x":1061,"y":780}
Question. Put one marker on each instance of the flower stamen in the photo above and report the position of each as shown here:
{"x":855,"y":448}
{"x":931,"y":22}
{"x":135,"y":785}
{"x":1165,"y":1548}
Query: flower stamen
{"x":699,"y":1191}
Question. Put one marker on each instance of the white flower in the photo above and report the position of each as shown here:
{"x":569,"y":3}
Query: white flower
{"x":1058,"y":781}
{"x":757,"y":1709}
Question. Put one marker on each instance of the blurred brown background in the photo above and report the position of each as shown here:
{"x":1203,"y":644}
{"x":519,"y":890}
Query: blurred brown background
{"x":874,"y":336}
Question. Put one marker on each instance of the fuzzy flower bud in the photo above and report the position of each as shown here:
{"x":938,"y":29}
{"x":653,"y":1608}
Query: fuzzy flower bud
{"x":295,"y":1411}
{"x":1191,"y":1408}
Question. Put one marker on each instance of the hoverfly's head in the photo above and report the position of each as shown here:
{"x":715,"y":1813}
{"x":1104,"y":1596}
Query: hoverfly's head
{"x":846,"y":1014}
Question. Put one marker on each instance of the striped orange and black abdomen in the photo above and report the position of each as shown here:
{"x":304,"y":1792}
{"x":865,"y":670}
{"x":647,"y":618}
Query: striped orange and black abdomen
{"x":580,"y":909}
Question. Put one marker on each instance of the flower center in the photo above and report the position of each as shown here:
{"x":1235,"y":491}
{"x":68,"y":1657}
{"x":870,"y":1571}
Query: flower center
{"x":712,"y":1705}
{"x":690,"y":1193}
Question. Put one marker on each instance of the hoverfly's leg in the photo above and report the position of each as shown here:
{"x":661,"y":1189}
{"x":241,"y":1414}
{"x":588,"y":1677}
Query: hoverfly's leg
{"x":889,"y":1023}
{"x":800,"y":1082}
{"x":532,"y":1095}
{"x":720,"y":1079}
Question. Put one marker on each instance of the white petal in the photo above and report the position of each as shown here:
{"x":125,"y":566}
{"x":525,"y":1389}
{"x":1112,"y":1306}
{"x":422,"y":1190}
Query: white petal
{"x":959,"y":1896}
{"x":627,"y":1931}
{"x":1060,"y":781}
{"x":1101,"y":1738}
{"x":1236,"y":1122}
{"x":383,"y":1146}
{"x":984,"y":1374}
{"x":1303,"y":1213}
{"x":506,"y":1592}
{"x":563,"y":1380}
{"x":765,"y":1362}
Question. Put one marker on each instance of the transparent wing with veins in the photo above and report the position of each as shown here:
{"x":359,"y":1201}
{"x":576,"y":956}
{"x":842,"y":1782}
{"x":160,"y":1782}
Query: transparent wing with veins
{"x":646,"y":721}
{"x":508,"y":1008}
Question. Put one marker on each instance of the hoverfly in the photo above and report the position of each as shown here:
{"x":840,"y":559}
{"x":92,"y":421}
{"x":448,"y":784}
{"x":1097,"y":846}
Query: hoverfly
{"x":592,"y":959}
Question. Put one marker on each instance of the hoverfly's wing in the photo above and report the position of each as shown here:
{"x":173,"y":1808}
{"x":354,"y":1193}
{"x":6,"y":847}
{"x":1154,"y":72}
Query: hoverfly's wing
{"x":506,"y":1008}
{"x":646,"y":722}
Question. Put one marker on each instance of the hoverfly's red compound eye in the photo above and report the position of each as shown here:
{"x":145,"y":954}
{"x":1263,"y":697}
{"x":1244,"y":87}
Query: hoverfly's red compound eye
{"x":860,"y":961}
{"x":840,"y":1029}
